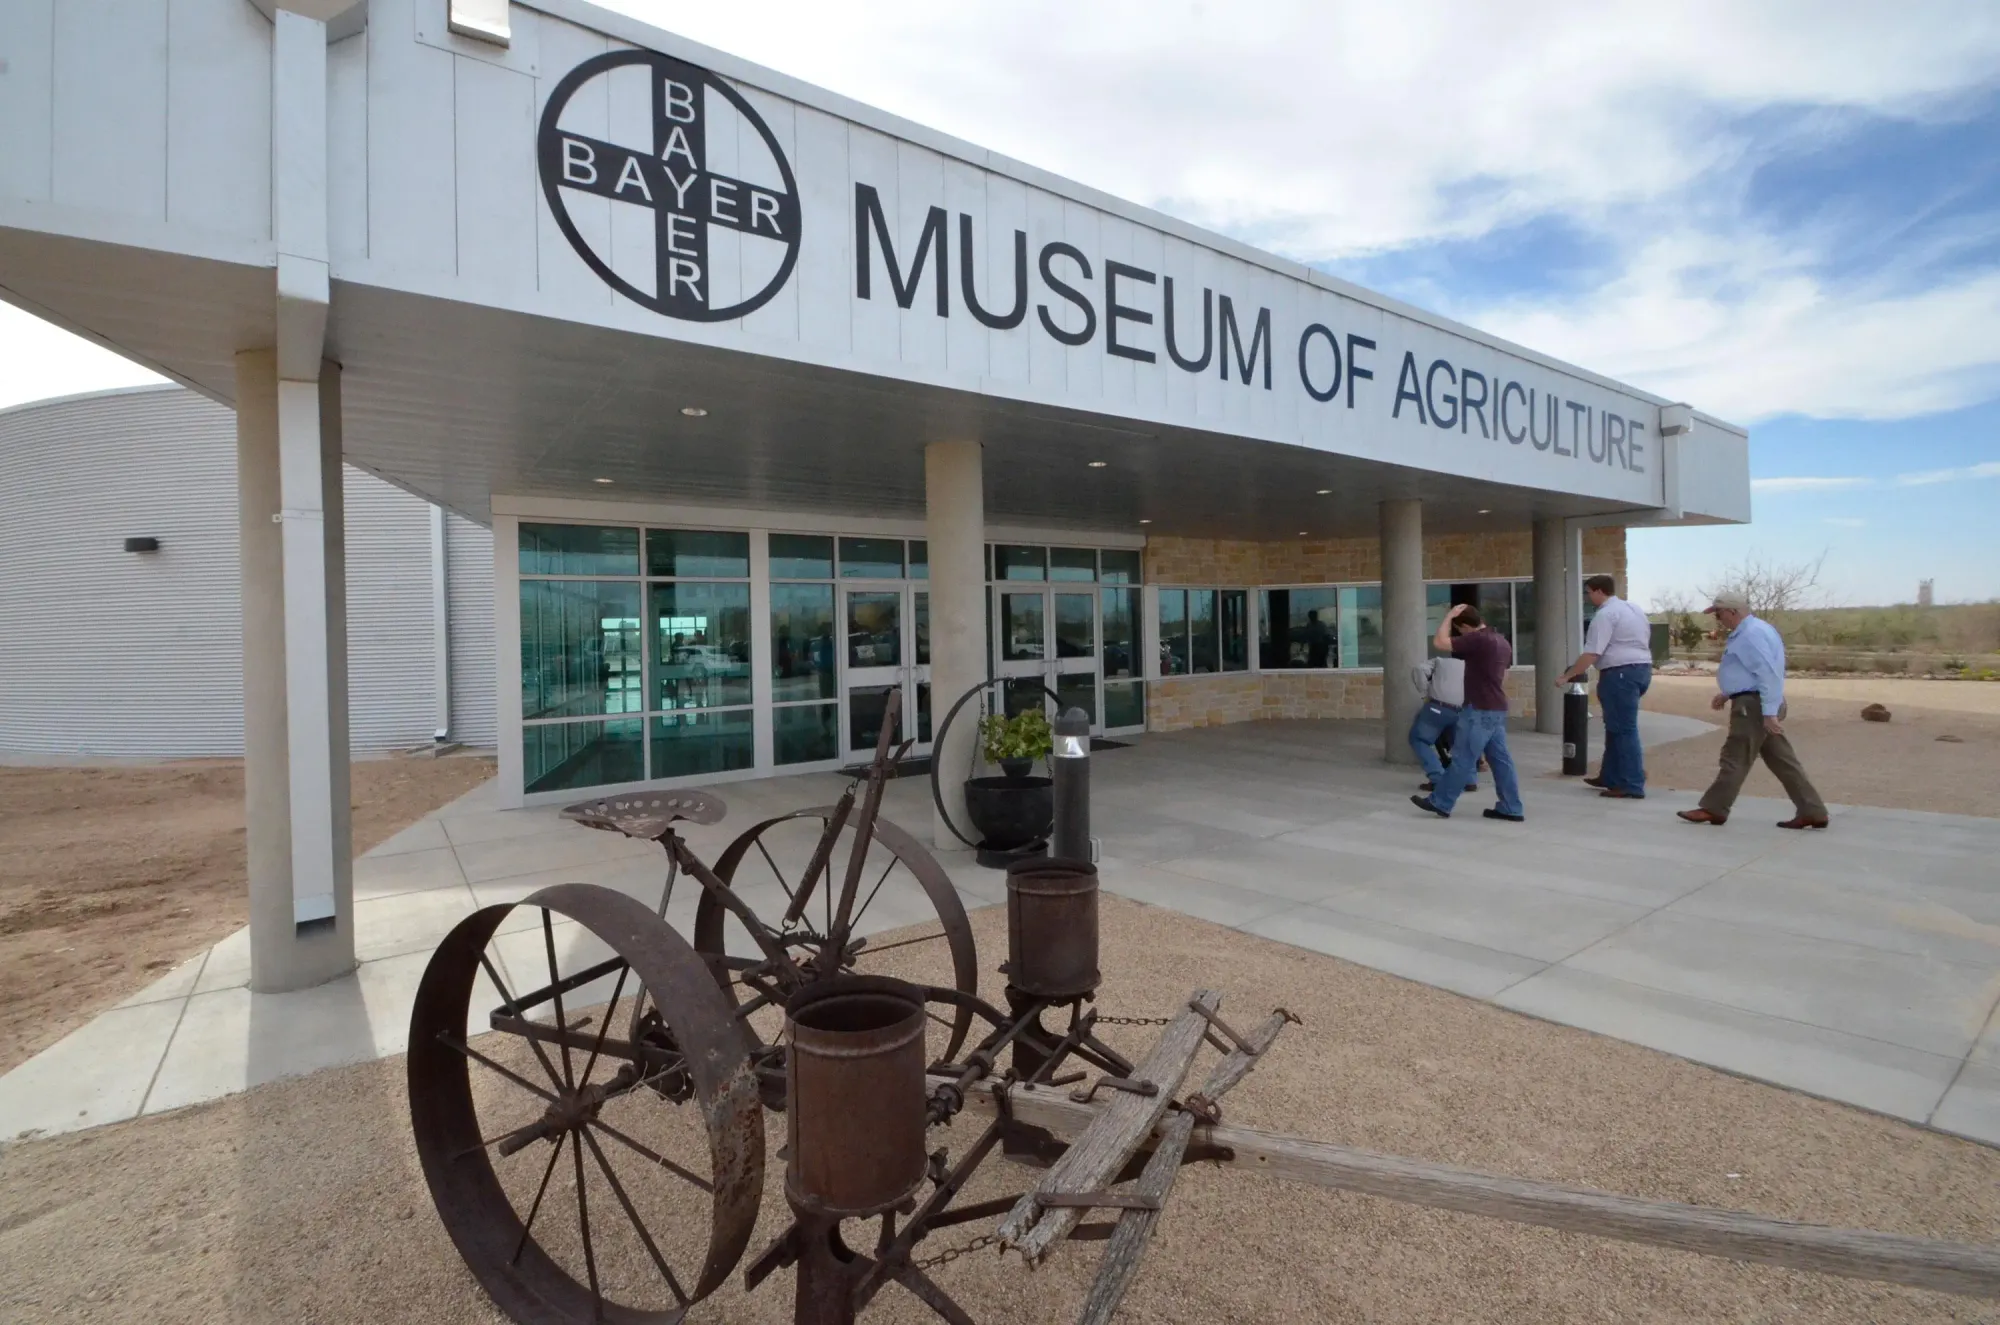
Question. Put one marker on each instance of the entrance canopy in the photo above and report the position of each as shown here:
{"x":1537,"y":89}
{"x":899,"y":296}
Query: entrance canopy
{"x":599,"y":252}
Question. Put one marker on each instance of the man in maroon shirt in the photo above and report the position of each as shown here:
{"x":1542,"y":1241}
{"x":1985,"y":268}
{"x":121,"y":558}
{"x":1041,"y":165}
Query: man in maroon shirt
{"x":1482,"y":723}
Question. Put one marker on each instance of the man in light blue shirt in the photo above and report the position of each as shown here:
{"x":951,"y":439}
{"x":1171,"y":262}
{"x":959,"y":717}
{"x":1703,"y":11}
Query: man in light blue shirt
{"x":1751,"y":684}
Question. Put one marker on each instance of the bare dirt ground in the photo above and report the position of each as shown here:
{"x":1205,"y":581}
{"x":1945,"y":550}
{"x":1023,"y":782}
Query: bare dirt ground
{"x":301,"y":1201}
{"x":111,"y":875}
{"x":1900,"y":764}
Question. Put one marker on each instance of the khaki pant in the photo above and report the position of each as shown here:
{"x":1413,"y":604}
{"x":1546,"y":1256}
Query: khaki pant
{"x":1746,"y":742}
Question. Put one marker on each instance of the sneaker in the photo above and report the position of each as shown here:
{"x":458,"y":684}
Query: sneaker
{"x":1426,"y":803}
{"x":1510,"y":818}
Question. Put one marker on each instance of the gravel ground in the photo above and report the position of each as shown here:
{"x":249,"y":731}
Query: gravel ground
{"x":301,"y":1201}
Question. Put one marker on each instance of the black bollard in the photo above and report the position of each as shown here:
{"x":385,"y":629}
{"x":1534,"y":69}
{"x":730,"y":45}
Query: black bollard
{"x":1576,"y":730}
{"x":1071,"y":766}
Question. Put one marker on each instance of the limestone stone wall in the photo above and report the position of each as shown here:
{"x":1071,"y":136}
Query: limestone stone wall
{"x":1502,"y":554}
{"x":1176,"y":703}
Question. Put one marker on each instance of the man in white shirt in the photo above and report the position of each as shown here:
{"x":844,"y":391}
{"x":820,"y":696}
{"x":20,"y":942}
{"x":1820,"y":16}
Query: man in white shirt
{"x":1441,"y":681}
{"x":1620,"y":645}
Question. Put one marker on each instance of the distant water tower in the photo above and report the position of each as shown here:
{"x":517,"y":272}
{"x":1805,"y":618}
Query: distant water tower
{"x":1924,"y":593}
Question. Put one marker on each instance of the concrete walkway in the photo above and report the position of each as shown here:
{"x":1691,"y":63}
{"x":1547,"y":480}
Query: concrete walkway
{"x":1861,"y":964}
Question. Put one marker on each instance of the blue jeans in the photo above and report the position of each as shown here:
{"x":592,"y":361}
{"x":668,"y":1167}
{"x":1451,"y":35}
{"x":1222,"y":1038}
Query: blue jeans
{"x":1432,"y":721}
{"x":1480,"y":732}
{"x":1618,"y":692}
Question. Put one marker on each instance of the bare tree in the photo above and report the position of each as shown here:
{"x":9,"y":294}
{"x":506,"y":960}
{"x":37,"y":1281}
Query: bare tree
{"x":1770,"y":586}
{"x":1675,"y":603}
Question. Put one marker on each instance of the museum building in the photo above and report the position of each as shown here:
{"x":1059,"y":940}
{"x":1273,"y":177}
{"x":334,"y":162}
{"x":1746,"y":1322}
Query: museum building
{"x":768,"y":405}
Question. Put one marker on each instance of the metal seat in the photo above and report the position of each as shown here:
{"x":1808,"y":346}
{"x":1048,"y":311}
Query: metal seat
{"x":650,"y":815}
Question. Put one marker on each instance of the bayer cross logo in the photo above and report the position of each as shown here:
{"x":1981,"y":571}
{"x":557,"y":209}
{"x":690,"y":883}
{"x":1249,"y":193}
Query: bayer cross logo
{"x":714,"y":243}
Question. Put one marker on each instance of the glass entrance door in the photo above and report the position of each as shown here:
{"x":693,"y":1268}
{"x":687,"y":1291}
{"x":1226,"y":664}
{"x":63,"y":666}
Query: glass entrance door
{"x":1048,"y":639}
{"x":886,"y":646}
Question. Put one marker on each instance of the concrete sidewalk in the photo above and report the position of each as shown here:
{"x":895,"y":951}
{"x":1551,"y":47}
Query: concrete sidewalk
{"x":1861,"y":964}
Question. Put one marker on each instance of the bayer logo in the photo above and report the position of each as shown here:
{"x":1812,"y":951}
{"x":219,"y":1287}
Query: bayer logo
{"x":670,"y":185}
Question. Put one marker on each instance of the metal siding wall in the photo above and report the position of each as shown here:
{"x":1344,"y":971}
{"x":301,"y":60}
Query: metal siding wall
{"x":469,"y":609}
{"x":108,"y":652}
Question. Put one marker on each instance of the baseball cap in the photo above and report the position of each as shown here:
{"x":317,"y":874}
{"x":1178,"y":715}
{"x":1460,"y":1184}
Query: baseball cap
{"x":1735,"y":602}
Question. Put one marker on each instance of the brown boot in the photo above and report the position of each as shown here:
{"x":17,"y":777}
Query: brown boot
{"x":1800,"y":821}
{"x":1703,"y":817}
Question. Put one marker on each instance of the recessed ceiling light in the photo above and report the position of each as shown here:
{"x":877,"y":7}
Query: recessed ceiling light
{"x":1302,"y":533}
{"x":1145,"y":522}
{"x":1325,"y":492}
{"x":694,"y":411}
{"x":1097,"y":464}
{"x":600,"y":480}
{"x":1485,"y":511}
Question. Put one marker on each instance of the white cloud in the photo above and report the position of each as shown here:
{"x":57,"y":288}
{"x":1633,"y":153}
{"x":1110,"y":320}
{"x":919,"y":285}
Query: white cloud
{"x":1805,"y":484}
{"x":1985,"y":469}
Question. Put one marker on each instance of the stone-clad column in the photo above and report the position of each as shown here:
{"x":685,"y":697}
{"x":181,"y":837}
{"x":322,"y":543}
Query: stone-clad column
{"x":1552,"y":653}
{"x":955,"y":504}
{"x":1402,"y":622}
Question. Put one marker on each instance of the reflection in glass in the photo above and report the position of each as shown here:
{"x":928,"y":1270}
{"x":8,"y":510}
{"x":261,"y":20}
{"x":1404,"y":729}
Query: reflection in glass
{"x":576,"y":549}
{"x":805,"y":733}
{"x":1121,"y":631}
{"x":1023,"y":694}
{"x":1437,"y":601}
{"x":924,"y":711}
{"x":1077,"y":690}
{"x":802,"y":643}
{"x":920,"y":559}
{"x":1118,"y":567}
{"x":697,"y":552}
{"x":922,"y":613}
{"x":865,"y":707}
{"x":1173,"y":632}
{"x":1019,"y":563}
{"x":875,"y":629}
{"x":557,"y":756}
{"x":871,"y":558}
{"x":1076,"y":628}
{"x":1361,"y":626}
{"x":801,"y":557}
{"x":1235,"y":611}
{"x":1022,"y":628}
{"x":701,"y":645}
{"x":1201,"y":631}
{"x":1072,"y":563}
{"x":689,"y":744}
{"x":1495,"y":601}
{"x":580,"y":648}
{"x":1298,"y":628}
{"x":1124,"y":704}
{"x":1524,"y":622}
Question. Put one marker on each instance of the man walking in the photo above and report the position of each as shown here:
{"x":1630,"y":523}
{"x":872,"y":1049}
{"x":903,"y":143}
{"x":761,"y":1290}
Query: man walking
{"x":1751,"y":683}
{"x":1620,"y":646}
{"x":1441,"y":681}
{"x":1482,"y":723}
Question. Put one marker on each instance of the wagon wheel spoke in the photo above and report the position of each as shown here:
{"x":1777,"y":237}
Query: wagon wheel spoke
{"x":652,"y":1154}
{"x":776,"y":873}
{"x":610,"y":1010}
{"x":514,"y":1009}
{"x":638,"y":1224}
{"x":487,"y":1143}
{"x":583,"y":1225}
{"x":855,"y":923}
{"x":871,"y":950}
{"x":555,"y":986}
{"x":528,"y":1224}
{"x":511,"y":1075}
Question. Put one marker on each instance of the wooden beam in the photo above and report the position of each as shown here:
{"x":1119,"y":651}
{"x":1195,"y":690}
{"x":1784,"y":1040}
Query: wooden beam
{"x":1948,"y":1267}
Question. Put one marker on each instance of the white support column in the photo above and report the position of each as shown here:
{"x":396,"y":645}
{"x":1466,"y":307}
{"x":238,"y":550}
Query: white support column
{"x":1551,"y":621}
{"x":1402,"y":622}
{"x":440,"y":629}
{"x":297,"y":797}
{"x":955,"y":497}
{"x":507,"y":661}
{"x":1572,"y":592}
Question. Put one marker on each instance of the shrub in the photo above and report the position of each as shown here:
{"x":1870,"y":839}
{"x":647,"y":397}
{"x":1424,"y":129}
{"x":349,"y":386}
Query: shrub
{"x":1026,"y":735}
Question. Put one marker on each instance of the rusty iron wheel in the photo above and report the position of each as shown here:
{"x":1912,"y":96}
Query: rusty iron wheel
{"x":901,"y":887}
{"x":585,"y":1173}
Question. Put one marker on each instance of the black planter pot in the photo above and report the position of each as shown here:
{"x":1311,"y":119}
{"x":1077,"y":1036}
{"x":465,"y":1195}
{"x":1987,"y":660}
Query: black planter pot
{"x":1010,"y":812}
{"x":1017,"y":768}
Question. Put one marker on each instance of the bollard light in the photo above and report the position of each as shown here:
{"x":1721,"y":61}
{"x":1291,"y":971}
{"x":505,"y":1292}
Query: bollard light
{"x":1071,"y":767}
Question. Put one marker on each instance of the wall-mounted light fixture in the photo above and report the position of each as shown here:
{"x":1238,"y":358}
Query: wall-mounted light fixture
{"x":142,"y":545}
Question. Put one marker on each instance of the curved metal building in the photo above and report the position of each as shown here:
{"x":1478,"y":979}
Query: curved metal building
{"x":113,"y":650}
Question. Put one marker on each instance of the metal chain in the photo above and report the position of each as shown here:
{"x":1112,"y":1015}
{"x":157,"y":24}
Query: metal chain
{"x":980,"y":1243}
{"x":1135,"y":1021}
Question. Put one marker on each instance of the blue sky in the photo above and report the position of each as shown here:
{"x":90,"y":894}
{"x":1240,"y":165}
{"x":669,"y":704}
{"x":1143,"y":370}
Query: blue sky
{"x":1786,"y":211}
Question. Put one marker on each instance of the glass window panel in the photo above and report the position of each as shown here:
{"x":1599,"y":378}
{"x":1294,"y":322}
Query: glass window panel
{"x":1495,"y":601}
{"x":579,"y":549}
{"x":1023,"y":630}
{"x":924,"y":711}
{"x":1072,"y":563}
{"x":1173,"y":632}
{"x":1299,"y":628}
{"x":805,"y":733}
{"x":802,"y":658}
{"x":801,"y":557}
{"x":1121,"y":631}
{"x":695,"y":744}
{"x":1206,"y":656}
{"x":701,"y":645}
{"x":1076,"y":625}
{"x":866,"y":706}
{"x":580,"y":648}
{"x":559,"y":756}
{"x":1361,"y":626}
{"x":1124,"y":704}
{"x":1077,"y":690}
{"x":697,"y":552}
{"x":1023,"y":694}
{"x":923,"y":625}
{"x":920,"y":559}
{"x":872,"y":558}
{"x":1118,"y":566}
{"x":1235,"y":610}
{"x":1019,"y":563}
{"x":1437,"y":601}
{"x":1524,"y":621}
{"x":875,"y":629}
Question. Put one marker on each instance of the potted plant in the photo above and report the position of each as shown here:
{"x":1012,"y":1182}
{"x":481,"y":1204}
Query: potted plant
{"x":1016,"y":743}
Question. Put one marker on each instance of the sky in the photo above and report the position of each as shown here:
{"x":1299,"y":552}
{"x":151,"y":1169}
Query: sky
{"x":1787,"y":214}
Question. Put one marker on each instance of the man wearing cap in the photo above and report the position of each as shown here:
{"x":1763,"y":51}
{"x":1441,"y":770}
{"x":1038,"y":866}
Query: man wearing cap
{"x":1751,"y":683}
{"x":1620,"y":645}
